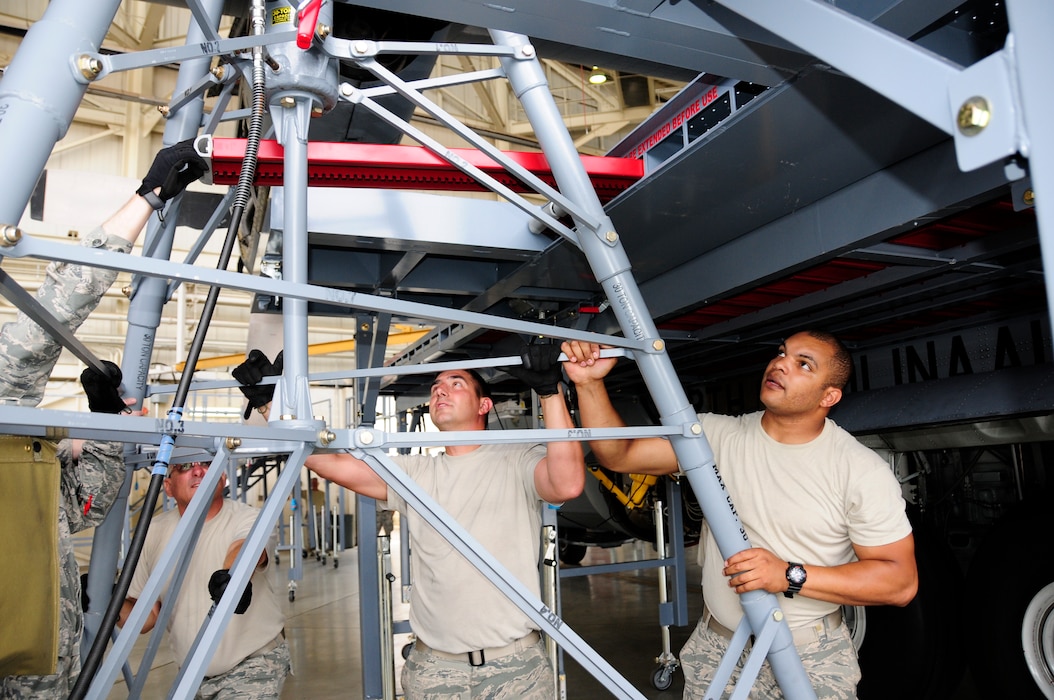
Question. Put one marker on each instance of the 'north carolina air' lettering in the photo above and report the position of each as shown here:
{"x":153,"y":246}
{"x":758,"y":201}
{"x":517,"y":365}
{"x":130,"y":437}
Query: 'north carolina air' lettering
{"x":972,"y":351}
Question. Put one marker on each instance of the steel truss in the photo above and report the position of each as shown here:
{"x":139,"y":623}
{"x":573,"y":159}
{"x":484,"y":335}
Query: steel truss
{"x":40,"y":93}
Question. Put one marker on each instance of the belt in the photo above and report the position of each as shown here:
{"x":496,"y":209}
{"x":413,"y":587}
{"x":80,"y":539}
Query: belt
{"x":817,"y":631}
{"x":270,"y":646}
{"x":482,"y":656}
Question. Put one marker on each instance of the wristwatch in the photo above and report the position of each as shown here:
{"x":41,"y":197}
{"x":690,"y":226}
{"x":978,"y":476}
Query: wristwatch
{"x":795,"y":578}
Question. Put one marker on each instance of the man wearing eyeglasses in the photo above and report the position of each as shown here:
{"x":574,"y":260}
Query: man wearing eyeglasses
{"x":252,"y":659}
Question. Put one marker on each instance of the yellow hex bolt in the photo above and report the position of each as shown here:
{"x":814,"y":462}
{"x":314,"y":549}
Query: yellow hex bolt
{"x":974,"y":116}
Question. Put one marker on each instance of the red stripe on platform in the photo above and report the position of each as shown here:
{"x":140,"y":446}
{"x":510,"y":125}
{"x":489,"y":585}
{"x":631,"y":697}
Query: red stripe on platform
{"x":410,"y":167}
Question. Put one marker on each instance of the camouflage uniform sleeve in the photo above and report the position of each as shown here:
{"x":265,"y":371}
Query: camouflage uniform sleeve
{"x":90,"y":485}
{"x":27,"y":352}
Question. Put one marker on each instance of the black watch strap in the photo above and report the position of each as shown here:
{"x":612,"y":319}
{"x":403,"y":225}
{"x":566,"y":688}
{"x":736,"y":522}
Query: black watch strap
{"x":795,"y":578}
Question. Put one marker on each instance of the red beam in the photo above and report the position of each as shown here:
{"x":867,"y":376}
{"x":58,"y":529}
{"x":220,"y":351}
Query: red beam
{"x":409,"y":167}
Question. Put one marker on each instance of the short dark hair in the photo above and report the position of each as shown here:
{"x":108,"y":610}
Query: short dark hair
{"x":482,"y":388}
{"x":841,"y":360}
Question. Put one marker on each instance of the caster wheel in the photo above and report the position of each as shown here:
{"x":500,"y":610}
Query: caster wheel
{"x":336,"y":562}
{"x":406,"y":650}
{"x":292,"y":596}
{"x":323,"y":561}
{"x":277,"y":559}
{"x":662,"y":678}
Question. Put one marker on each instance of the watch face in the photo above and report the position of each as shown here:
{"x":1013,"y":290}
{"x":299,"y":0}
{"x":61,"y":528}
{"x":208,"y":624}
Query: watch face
{"x":796,"y":574}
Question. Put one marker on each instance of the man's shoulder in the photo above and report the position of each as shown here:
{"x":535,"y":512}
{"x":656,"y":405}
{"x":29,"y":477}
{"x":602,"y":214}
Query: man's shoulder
{"x":239,"y":507}
{"x":172,"y":514}
{"x":836,"y":432}
{"x":720,"y":421}
{"x":238,"y":511}
{"x":163,"y":524}
{"x":846,"y":442}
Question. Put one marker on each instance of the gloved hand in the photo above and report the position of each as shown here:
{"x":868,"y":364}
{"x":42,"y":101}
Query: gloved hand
{"x":173,"y":169}
{"x":541,"y":369}
{"x":218,"y":584}
{"x":249,"y":374}
{"x":85,"y":600}
{"x":102,"y":390}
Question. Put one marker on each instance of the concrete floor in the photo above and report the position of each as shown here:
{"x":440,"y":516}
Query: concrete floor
{"x":615,"y":613}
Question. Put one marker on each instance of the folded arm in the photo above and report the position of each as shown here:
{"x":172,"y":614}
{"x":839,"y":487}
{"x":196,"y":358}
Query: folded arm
{"x":884,"y":575}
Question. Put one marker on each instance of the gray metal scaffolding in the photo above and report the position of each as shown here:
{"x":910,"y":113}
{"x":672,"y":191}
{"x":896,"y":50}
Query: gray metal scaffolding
{"x":60,"y":57}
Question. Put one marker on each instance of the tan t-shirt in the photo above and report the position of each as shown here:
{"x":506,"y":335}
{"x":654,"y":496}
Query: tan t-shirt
{"x":245,"y":633}
{"x":807,"y":503}
{"x":490,"y":492}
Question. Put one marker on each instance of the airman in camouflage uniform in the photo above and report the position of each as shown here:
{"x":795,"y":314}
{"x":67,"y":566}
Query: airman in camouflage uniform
{"x":91,"y":473}
{"x":88,"y":483}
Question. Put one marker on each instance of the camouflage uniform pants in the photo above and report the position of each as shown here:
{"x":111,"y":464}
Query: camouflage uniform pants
{"x":830,"y":663}
{"x":524,"y":675}
{"x":256,"y":678}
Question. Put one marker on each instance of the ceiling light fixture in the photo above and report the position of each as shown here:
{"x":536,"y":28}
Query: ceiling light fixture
{"x":597,"y":77}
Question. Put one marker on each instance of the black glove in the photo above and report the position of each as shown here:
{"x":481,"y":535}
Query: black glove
{"x":541,"y":369}
{"x":173,"y":169}
{"x":102,"y":389}
{"x":85,"y":600}
{"x":218,"y":584}
{"x":249,"y":374}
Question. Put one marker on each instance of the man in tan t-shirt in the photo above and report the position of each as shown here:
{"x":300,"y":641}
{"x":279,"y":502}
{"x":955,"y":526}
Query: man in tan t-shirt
{"x":470,"y":639}
{"x":252,"y":659}
{"x":824,"y":515}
